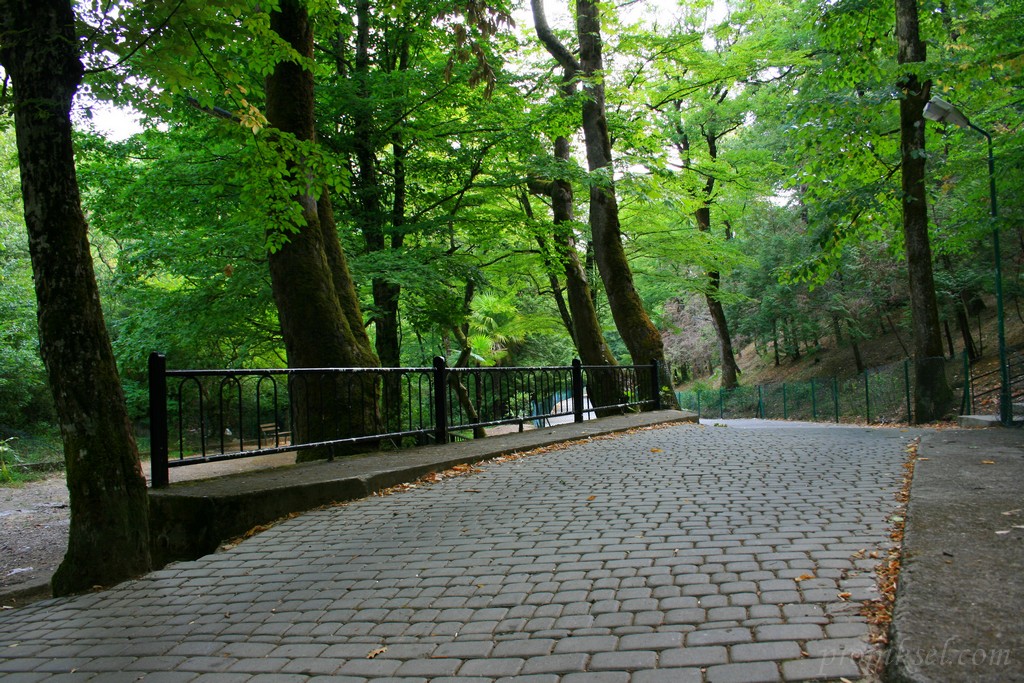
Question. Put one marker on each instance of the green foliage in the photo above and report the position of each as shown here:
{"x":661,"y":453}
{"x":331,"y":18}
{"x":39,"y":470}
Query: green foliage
{"x":24,"y":394}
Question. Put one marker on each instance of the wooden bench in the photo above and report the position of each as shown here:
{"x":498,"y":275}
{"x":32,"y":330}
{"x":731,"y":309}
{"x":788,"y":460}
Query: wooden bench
{"x":270,"y":432}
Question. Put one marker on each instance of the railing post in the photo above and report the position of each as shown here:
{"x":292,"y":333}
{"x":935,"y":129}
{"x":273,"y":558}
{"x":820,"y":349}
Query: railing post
{"x":760,"y":402}
{"x":440,"y":405}
{"x":867,"y":397}
{"x":906,"y":389}
{"x":577,"y":390}
{"x":814,"y":401}
{"x":698,"y":404}
{"x":158,"y":420}
{"x":968,"y":401}
{"x":835,"y":397}
{"x":655,"y":385}
{"x":785,"y":406}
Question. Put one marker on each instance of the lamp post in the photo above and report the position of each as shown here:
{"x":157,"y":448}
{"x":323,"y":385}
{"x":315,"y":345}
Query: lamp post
{"x":939,"y":110}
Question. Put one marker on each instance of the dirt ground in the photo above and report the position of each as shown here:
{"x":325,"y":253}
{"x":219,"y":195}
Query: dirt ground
{"x":33,"y":531}
{"x":35,"y":517}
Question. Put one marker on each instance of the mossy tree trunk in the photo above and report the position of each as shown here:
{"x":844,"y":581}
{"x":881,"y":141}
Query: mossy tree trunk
{"x":109,"y":534}
{"x":316,"y":301}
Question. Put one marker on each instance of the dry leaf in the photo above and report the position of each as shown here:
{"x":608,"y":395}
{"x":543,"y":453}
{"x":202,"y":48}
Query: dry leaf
{"x":844,"y":596}
{"x":376,"y":653}
{"x":803,"y":577}
{"x":591,"y":497}
{"x":655,"y":450}
{"x":988,"y":462}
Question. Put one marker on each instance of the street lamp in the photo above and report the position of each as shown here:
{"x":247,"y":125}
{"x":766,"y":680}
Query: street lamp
{"x":939,"y":110}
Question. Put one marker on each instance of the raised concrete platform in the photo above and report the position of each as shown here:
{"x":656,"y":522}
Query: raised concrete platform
{"x":192,"y":518}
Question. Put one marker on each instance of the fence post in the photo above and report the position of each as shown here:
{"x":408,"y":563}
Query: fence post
{"x":698,"y":404}
{"x":577,"y":390}
{"x":814,"y":401}
{"x":655,"y":385}
{"x":440,"y":405}
{"x":760,"y":402}
{"x":906,"y":389}
{"x":867,"y":397}
{"x":158,"y":420}
{"x":835,"y":396}
{"x":785,"y":407}
{"x":968,"y":400}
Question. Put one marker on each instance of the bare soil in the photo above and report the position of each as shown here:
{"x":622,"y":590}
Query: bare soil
{"x":33,"y":531}
{"x":35,"y":518}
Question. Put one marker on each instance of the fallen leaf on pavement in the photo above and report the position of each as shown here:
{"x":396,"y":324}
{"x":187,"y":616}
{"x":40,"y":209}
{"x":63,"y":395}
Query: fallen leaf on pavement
{"x":591,"y":497}
{"x":988,"y":462}
{"x":376,"y":653}
{"x":655,"y":450}
{"x":803,"y":577}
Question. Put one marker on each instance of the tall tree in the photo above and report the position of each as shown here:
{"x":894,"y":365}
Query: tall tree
{"x":634,"y":325}
{"x":109,"y":535}
{"x":316,"y":300}
{"x":932,"y":395}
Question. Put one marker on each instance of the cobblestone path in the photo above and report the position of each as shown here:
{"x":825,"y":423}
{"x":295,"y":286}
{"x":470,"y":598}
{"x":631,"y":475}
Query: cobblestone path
{"x":684,"y":553}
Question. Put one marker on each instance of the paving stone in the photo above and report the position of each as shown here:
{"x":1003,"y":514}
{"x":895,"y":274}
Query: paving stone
{"x":754,"y":652}
{"x":629,"y":660}
{"x":492,"y":667}
{"x":559,"y":664}
{"x":831,"y":668}
{"x":753,"y":672}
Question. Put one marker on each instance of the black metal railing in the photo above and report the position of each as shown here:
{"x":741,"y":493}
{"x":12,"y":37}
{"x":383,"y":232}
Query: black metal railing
{"x":212,"y":415}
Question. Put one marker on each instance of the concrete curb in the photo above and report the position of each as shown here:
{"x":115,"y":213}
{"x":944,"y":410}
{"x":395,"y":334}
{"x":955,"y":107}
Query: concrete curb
{"x":961,"y":587}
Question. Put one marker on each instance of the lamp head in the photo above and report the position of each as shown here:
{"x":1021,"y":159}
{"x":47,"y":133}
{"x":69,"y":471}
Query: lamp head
{"x":942,"y":111}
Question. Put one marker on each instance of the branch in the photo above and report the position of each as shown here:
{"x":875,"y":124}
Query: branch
{"x":547,"y":36}
{"x":131,"y":53}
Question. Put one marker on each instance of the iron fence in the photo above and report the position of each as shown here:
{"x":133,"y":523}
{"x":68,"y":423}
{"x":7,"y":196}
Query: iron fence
{"x":878,"y":395}
{"x":212,"y":415}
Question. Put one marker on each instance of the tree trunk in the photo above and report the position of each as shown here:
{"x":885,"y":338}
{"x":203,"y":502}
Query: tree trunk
{"x":109,"y":534}
{"x":932,"y":395}
{"x":641,"y":337}
{"x":638,"y":332}
{"x":730,"y":370}
{"x":586,"y":326}
{"x":319,"y":315}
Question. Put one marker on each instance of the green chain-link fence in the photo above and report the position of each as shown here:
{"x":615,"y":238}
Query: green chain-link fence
{"x":879,"y":395}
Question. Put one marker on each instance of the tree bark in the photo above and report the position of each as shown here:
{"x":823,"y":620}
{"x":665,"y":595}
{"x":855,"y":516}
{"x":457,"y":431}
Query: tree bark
{"x":730,"y":369}
{"x":109,"y":534}
{"x":319,"y":314}
{"x":932,"y":395}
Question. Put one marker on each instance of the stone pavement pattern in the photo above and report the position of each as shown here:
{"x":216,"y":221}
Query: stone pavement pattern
{"x":684,"y":553}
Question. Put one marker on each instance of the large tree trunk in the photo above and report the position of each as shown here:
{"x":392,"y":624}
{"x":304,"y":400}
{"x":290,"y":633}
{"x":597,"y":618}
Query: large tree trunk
{"x":932,"y":395}
{"x":109,"y":535}
{"x":318,"y":312}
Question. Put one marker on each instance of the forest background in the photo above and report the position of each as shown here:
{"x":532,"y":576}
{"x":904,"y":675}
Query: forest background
{"x":755,"y":181}
{"x":756,"y":163}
